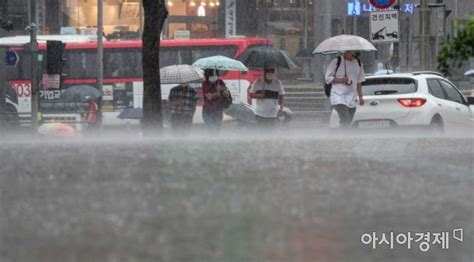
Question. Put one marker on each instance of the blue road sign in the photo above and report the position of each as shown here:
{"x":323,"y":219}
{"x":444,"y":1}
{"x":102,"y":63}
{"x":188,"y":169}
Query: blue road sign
{"x":11,"y":58}
{"x":353,"y":9}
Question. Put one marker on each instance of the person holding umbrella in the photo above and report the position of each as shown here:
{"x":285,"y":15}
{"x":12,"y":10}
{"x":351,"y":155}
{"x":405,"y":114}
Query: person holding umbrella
{"x":214,"y":92}
{"x":183,"y":100}
{"x":216,"y":96}
{"x":91,"y":113}
{"x":346,"y":74}
{"x":269,"y":93}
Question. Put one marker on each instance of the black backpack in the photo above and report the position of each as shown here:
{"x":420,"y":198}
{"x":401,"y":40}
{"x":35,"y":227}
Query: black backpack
{"x":327,"y":87}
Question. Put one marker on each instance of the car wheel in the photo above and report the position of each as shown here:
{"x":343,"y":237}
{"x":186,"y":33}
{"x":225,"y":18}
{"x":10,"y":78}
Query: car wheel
{"x":437,"y":125}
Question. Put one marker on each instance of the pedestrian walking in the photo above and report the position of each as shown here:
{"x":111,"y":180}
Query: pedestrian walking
{"x":269,"y":93}
{"x":183,"y":100}
{"x":216,"y":98}
{"x":91,"y":114}
{"x":345,"y":73}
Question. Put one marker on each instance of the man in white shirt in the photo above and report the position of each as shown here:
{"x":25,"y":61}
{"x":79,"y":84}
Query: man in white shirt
{"x":346,"y":86}
{"x":269,"y":93}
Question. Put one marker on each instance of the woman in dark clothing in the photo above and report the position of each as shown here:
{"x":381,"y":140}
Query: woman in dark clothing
{"x":215,"y":94}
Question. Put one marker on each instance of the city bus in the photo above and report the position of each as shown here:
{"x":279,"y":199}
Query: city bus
{"x":123,"y":82}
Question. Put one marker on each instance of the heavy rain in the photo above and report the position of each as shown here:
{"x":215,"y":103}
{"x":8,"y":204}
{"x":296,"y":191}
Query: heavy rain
{"x":279,"y":130}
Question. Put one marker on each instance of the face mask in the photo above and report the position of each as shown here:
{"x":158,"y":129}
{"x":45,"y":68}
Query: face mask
{"x":213,"y":79}
{"x":269,"y":76}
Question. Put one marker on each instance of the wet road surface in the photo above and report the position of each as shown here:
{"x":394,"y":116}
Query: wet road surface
{"x":234,"y":199}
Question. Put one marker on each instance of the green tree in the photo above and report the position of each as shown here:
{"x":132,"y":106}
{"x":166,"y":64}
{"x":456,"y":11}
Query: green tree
{"x":457,"y":50}
{"x":155,"y":15}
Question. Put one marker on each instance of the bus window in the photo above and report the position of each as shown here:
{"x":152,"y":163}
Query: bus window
{"x":188,"y":55}
{"x":201,"y":52}
{"x":123,"y":63}
{"x":174,"y":56}
{"x":80,"y":64}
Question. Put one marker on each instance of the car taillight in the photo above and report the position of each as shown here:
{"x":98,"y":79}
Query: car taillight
{"x":412,"y":102}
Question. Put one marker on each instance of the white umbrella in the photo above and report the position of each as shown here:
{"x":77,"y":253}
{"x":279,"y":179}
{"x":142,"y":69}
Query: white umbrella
{"x":469,"y":72}
{"x":343,"y":43}
{"x":220,"y":63}
{"x":178,"y":74}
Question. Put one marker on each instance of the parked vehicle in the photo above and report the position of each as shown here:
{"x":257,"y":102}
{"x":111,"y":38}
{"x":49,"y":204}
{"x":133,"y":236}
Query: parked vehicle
{"x":419,"y":99}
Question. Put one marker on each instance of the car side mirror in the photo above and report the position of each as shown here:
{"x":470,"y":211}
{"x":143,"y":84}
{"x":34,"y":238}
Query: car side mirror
{"x":470,"y":100}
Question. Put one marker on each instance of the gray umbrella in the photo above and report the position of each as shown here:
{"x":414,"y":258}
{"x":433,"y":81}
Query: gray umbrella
{"x":242,"y":112}
{"x":80,"y":93}
{"x":131,"y":113}
{"x":246,"y":113}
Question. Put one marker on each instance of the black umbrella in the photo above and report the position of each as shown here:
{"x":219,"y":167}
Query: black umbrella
{"x":131,"y":113}
{"x":268,"y":57}
{"x":80,"y":93}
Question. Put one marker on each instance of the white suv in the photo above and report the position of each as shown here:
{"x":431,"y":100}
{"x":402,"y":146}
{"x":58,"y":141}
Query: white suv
{"x":417,"y":99}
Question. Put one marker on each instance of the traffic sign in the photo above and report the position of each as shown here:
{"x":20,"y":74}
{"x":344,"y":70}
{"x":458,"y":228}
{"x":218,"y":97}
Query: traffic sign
{"x":384,"y":27}
{"x":11,"y":58}
{"x":382,"y":4}
{"x":353,"y":9}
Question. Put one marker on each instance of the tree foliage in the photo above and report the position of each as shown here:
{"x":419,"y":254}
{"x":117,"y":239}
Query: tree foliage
{"x":457,"y":50}
{"x":155,"y":15}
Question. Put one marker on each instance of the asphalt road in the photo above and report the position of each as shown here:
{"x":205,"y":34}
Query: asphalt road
{"x":299,"y":198}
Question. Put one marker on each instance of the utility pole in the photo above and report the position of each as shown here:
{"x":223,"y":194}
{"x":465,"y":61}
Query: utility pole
{"x":322,"y":31}
{"x":33,"y":47}
{"x":100,"y":52}
{"x":140,"y":16}
{"x":34,"y":76}
{"x":327,"y":22}
{"x":305,"y":40}
{"x":265,"y":18}
{"x":354,"y":29}
{"x":424,"y":35}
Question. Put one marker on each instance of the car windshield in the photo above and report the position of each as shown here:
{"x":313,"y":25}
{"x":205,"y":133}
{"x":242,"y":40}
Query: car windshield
{"x":388,"y":86}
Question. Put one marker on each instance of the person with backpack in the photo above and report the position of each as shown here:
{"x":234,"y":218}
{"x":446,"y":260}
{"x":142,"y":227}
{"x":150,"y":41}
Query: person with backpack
{"x":344,"y":77}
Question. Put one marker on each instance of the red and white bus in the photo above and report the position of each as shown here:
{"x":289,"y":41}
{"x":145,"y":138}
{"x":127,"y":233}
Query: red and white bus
{"x":123,"y":83}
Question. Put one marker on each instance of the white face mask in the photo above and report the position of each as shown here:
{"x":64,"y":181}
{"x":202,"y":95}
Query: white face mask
{"x":213,"y":79}
{"x":269,"y":76}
